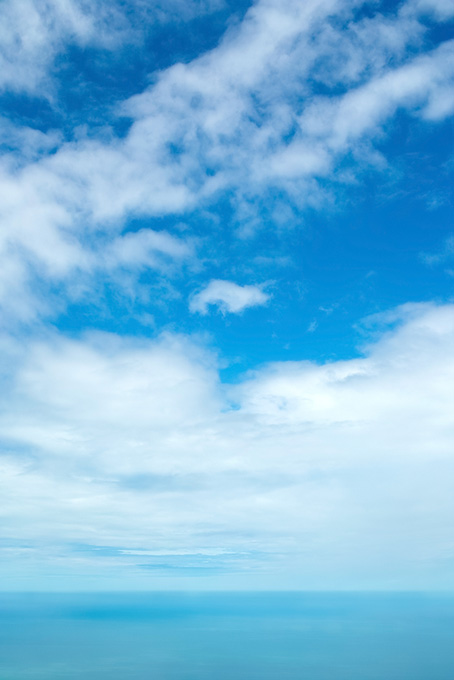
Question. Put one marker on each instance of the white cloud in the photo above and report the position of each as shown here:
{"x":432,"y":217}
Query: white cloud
{"x":135,"y":445}
{"x":333,"y":125}
{"x":33,"y":33}
{"x":228,"y":296}
{"x":340,"y":472}
{"x":442,"y":9}
{"x":146,"y":248}
{"x":20,"y":143}
{"x":241,"y":118}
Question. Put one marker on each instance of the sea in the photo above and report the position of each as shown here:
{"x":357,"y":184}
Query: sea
{"x":227,"y":636}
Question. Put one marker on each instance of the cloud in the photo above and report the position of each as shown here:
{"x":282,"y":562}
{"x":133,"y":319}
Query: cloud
{"x":245,"y":119}
{"x":119,"y":448}
{"x":346,"y":463}
{"x":442,"y":9}
{"x":34,"y":33}
{"x":445,"y":253}
{"x":228,"y":296}
{"x":25,"y":142}
{"x":145,"y":249}
{"x":335,"y":124}
{"x":31,"y":33}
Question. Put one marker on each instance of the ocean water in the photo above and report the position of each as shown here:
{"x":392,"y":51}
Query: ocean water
{"x":273,"y":636}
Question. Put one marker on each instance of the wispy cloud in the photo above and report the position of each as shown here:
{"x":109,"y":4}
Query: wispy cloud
{"x":242,"y":118}
{"x":444,"y":254}
{"x":34,"y":33}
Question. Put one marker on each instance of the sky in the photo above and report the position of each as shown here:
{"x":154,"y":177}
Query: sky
{"x":226,"y":295}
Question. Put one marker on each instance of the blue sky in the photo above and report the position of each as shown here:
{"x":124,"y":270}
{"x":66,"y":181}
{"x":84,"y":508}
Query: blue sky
{"x":226,"y":284}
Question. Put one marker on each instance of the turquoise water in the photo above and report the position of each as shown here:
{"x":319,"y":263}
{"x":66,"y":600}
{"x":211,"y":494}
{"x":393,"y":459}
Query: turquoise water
{"x":227,"y":637}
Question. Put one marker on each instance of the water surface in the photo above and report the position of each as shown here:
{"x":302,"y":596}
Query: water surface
{"x":157,"y":636}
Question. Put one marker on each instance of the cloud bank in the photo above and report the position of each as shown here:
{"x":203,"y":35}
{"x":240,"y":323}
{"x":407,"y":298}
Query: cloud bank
{"x":137,"y":448}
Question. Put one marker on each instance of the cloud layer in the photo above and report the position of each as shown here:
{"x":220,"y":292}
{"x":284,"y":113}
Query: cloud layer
{"x":136,"y":447}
